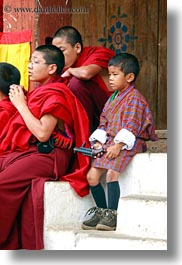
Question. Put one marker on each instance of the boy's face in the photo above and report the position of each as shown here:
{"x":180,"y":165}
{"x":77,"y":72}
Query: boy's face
{"x":117,"y":79}
{"x":70,"y":53}
{"x":38,"y":70}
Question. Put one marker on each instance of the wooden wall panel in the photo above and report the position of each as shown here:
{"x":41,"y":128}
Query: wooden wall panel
{"x":120,"y":21}
{"x":58,"y":14}
{"x":161,"y":98}
{"x":19,"y":15}
{"x":91,"y":21}
{"x":146,"y":24}
{"x":38,"y":15}
{"x":136,"y":30}
{"x":1,"y":15}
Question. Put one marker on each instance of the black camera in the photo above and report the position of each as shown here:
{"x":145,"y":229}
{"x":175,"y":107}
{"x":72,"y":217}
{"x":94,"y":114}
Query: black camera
{"x":46,"y":147}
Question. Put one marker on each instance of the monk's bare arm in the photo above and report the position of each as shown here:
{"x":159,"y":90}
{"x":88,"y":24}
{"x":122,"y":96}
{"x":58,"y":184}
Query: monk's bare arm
{"x":83,"y":72}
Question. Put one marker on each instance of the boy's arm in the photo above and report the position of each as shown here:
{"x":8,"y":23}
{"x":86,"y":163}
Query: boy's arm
{"x":125,"y":138}
{"x":98,"y":135}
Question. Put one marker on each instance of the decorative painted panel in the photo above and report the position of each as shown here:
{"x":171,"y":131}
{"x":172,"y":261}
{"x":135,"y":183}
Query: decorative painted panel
{"x":119,"y":35}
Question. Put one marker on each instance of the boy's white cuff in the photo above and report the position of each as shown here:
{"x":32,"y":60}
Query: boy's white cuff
{"x":126,"y":137}
{"x":98,"y":135}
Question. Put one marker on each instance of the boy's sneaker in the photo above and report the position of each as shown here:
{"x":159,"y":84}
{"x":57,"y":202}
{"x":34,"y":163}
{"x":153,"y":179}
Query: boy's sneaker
{"x":108,"y":220}
{"x":93,"y":221}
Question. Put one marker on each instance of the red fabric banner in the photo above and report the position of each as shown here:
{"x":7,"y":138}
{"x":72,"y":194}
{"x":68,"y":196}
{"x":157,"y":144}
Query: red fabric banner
{"x":15,"y":37}
{"x":1,"y":15}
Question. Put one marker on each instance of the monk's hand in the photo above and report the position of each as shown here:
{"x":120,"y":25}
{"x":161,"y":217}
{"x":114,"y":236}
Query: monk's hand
{"x":17,"y":96}
{"x":66,"y":74}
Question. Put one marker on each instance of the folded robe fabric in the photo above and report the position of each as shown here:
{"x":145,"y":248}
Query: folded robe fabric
{"x":6,"y":111}
{"x":99,"y":56}
{"x":58,"y":100}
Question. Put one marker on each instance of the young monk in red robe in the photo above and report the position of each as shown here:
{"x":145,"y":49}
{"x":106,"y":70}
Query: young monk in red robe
{"x":28,"y":157}
{"x":86,"y":71}
{"x":9,"y":75}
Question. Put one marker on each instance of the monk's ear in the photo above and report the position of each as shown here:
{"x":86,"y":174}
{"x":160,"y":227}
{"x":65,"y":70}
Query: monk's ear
{"x":130,"y":77}
{"x":52,"y":69}
{"x":78,"y":48}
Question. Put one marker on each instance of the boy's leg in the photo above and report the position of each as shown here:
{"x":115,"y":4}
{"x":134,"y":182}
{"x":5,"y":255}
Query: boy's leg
{"x":96,"y":188}
{"x":98,"y":194}
{"x":113,"y":189}
{"x":108,"y":220}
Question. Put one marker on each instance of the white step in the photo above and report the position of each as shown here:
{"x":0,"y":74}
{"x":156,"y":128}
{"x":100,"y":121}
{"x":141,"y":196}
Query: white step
{"x":146,"y":176}
{"x":99,"y":240}
{"x":137,"y":217}
{"x":142,"y":218}
{"x":63,"y":208}
{"x":142,"y":210}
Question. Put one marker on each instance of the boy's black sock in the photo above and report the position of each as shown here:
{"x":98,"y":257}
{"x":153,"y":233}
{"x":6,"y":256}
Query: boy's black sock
{"x":98,"y":194}
{"x":113,"y":190}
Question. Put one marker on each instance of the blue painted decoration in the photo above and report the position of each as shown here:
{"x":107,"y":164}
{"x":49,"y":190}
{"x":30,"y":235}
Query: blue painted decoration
{"x":119,"y":36}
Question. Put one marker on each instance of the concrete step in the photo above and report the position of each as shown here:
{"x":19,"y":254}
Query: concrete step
{"x":99,"y":240}
{"x":142,"y":211}
{"x":146,"y":176}
{"x":63,"y":208}
{"x":142,"y":218}
{"x":137,"y":217}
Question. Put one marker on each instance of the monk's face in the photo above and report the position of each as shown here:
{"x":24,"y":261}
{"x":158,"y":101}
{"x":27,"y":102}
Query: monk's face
{"x":39,"y":70}
{"x":70,"y":53}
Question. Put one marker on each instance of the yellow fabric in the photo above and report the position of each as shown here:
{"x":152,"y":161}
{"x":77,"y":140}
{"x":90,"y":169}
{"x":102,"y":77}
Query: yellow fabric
{"x":18,"y":55}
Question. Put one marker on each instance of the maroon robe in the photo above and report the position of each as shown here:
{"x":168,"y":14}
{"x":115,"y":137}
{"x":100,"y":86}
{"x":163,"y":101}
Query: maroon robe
{"x":6,"y":111}
{"x":99,"y":56}
{"x":92,"y":93}
{"x":24,"y":170}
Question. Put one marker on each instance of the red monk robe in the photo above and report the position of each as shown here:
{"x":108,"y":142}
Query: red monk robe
{"x":24,"y":170}
{"x":92,"y":93}
{"x":99,"y":56}
{"x":6,"y":111}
